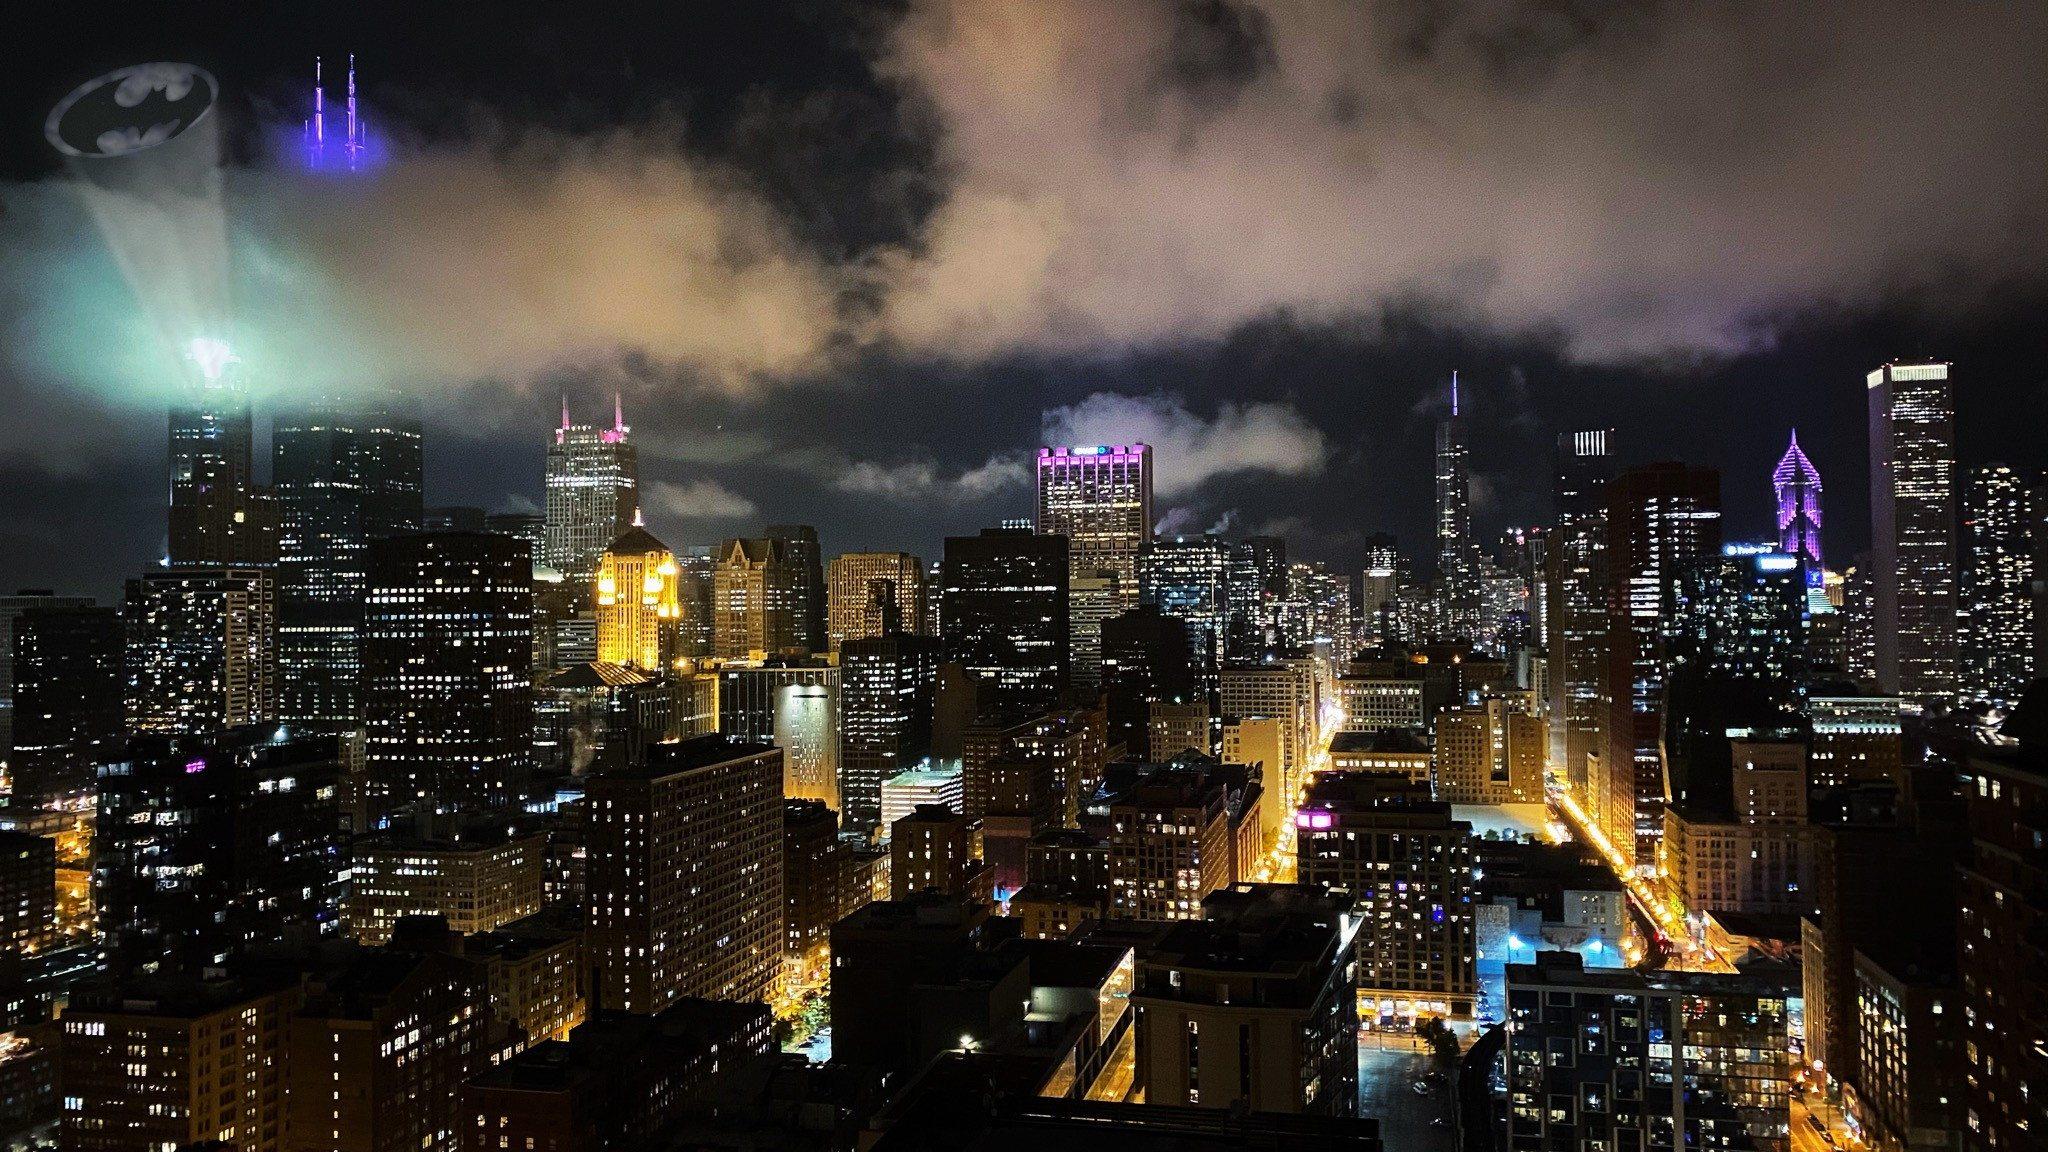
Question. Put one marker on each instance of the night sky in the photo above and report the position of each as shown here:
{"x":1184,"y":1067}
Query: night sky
{"x":849,"y":264}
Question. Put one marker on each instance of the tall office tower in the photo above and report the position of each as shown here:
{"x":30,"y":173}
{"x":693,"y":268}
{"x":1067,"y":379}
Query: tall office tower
{"x":888,"y":686}
{"x":1144,"y":660}
{"x":1662,"y":520}
{"x":1378,"y":584}
{"x":684,"y":880}
{"x":447,"y":671}
{"x":1100,"y":499}
{"x":69,"y":701}
{"x":1406,"y":866}
{"x":207,"y":845}
{"x":1005,"y":617}
{"x":344,"y":475}
{"x":11,"y":608}
{"x":638,"y":609}
{"x":759,"y":597}
{"x":1796,"y":487}
{"x":1913,"y":532}
{"x":794,"y":705}
{"x":1743,"y":614}
{"x":697,"y":576}
{"x":1257,"y":584}
{"x":176,"y":1062}
{"x":2003,"y":953}
{"x":1516,"y":597}
{"x":1252,"y":1008}
{"x":1998,"y":573}
{"x":202,"y":649}
{"x":593,"y":490}
{"x":1188,"y":578}
{"x":218,"y":516}
{"x":1577,"y":640}
{"x":851,"y":584}
{"x":1457,"y":551}
{"x":1094,"y":598}
{"x":801,"y":544}
{"x":1859,"y":621}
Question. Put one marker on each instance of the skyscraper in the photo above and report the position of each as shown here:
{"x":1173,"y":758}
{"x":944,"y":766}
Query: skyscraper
{"x":637,"y":607}
{"x":850,"y":594}
{"x":684,"y":888}
{"x":1145,"y":659}
{"x":11,"y":608}
{"x":1913,"y":532}
{"x":1004,"y":616}
{"x":1099,"y":498}
{"x":1188,"y":578}
{"x":447,"y":670}
{"x":800,"y":544}
{"x":888,"y":687}
{"x":792,"y":703}
{"x":759,"y":600}
{"x":1257,"y":585}
{"x":1378,"y":584}
{"x":1998,"y":606}
{"x":218,"y":516}
{"x":68,"y":701}
{"x":202,"y":649}
{"x":1661,"y":520}
{"x":1577,"y":618}
{"x":1457,"y":552}
{"x":593,"y":490}
{"x":1796,"y":486}
{"x":344,"y":475}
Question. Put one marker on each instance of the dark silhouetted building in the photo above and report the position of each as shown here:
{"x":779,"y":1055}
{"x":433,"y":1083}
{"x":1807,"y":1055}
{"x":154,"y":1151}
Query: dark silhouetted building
{"x":447,"y":671}
{"x":344,"y":475}
{"x":1252,"y":1007}
{"x":69,"y":711}
{"x":1913,"y":569}
{"x":1003,"y":616}
{"x":888,"y":688}
{"x":202,"y":649}
{"x":683,"y":888}
{"x":206,"y":845}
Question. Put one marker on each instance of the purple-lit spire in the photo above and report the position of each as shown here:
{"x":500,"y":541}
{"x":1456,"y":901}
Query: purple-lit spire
{"x":1797,"y":484}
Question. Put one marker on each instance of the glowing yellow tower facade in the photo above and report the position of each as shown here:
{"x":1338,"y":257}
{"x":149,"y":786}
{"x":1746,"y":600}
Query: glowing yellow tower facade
{"x":638,"y":609}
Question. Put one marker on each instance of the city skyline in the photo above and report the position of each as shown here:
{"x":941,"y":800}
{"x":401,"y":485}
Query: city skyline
{"x":1219,"y":573}
{"x":1278,"y":413}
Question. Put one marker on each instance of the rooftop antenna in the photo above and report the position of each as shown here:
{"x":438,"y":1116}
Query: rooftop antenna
{"x":565,"y":411}
{"x":618,"y":413}
{"x":354,"y":145}
{"x":1454,"y":391}
{"x":316,"y":128}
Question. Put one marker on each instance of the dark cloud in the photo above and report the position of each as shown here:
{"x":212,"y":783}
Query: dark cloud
{"x":848,"y":264}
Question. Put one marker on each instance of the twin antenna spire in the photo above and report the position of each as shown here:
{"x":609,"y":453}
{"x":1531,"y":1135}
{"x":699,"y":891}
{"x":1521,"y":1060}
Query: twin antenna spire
{"x":618,"y":413}
{"x":352,"y":142}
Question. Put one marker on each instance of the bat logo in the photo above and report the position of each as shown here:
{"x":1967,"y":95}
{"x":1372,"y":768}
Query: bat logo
{"x":131,"y":109}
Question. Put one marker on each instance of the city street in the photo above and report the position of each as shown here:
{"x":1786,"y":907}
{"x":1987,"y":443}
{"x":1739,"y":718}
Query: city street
{"x":1385,"y":1092}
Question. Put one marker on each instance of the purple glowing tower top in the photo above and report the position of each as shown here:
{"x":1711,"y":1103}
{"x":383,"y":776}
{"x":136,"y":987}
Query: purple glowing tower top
{"x":354,"y":153}
{"x":1797,"y":484}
